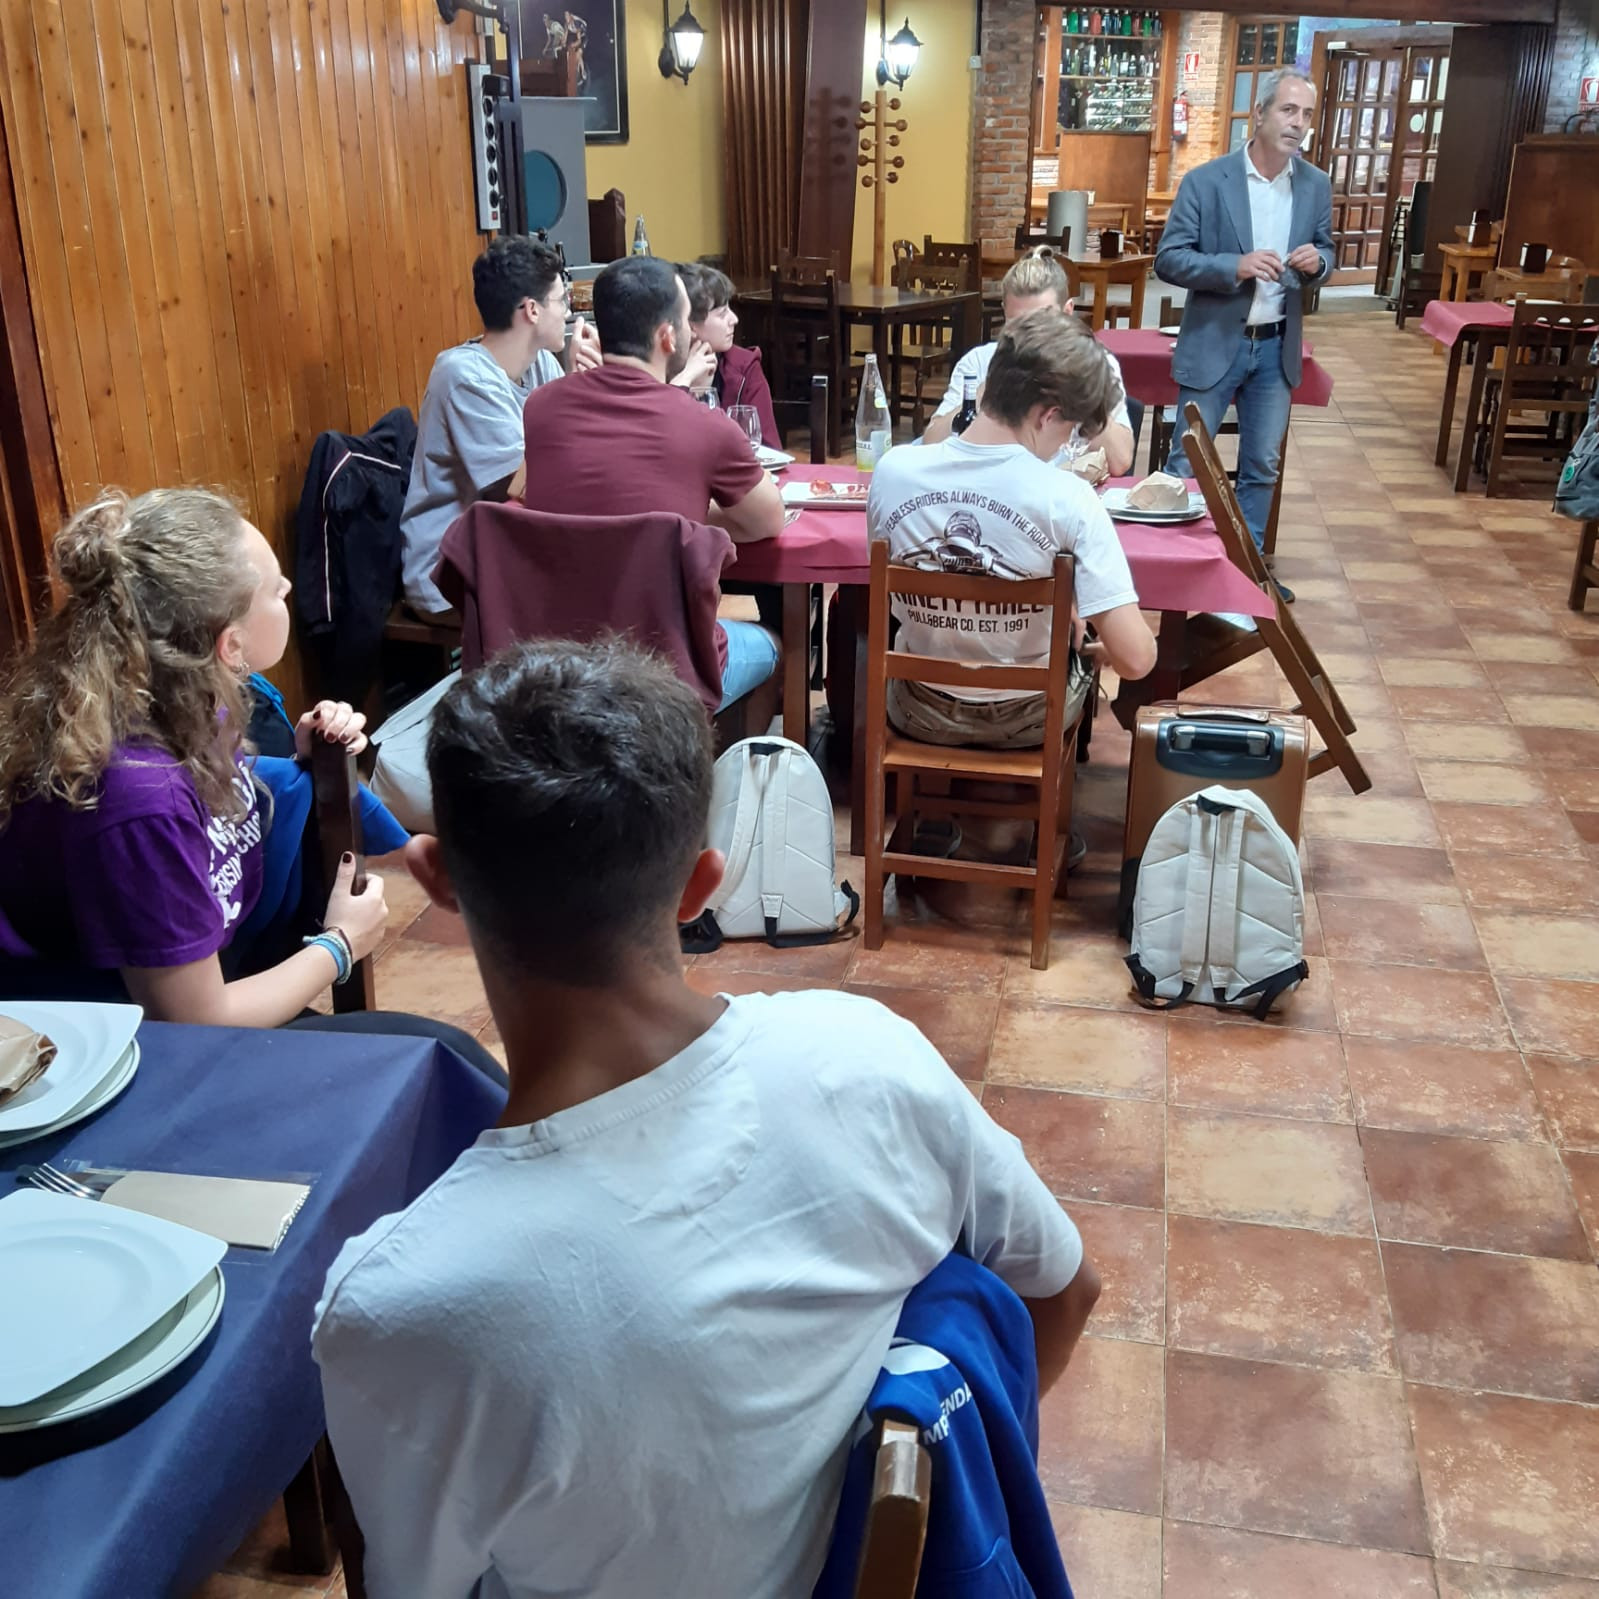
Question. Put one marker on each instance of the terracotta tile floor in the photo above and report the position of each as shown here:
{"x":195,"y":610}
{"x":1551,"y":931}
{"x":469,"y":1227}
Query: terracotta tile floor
{"x":1347,"y":1343}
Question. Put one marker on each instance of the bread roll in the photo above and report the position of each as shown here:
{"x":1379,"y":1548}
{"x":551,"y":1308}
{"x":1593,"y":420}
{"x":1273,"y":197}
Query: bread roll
{"x":24,"y":1055}
{"x":1160,"y":491}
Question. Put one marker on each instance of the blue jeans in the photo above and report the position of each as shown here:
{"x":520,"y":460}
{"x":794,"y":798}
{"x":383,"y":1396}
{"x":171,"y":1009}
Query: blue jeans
{"x":1256,"y":385}
{"x":751,"y":659}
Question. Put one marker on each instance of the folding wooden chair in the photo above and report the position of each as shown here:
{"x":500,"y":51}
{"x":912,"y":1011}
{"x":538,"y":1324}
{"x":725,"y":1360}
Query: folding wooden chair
{"x":336,"y":787}
{"x":896,"y":1521}
{"x":1585,"y":575}
{"x":1218,"y":646}
{"x":1050,"y":769}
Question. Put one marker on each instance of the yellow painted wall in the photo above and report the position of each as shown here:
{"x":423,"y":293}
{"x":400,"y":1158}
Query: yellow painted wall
{"x":671,"y":168}
{"x":932,"y":193}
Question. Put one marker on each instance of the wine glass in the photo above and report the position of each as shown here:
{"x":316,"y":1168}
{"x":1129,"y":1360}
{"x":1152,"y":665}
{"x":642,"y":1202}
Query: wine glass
{"x":707,"y":398}
{"x":748,"y":418}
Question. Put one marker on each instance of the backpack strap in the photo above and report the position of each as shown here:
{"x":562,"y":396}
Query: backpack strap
{"x":741,"y":846}
{"x":1196,"y":895}
{"x":774,"y":837}
{"x":1222,"y":955}
{"x":1269,"y":988}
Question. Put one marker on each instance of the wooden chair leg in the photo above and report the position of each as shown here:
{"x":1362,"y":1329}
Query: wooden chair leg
{"x":1585,"y":574}
{"x":1063,"y":813}
{"x":1496,"y":439}
{"x":1315,"y":706}
{"x":1044,"y":873}
{"x":310,"y":1548}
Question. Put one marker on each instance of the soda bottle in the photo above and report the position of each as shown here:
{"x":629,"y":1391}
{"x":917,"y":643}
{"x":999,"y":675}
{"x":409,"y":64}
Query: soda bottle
{"x":641,"y":244}
{"x":873,"y":428}
{"x":968,"y":411}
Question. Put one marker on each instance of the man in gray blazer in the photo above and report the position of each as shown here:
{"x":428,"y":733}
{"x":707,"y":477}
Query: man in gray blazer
{"x":1246,"y":232}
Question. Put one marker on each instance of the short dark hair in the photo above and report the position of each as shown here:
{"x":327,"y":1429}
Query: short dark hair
{"x":514,"y":268}
{"x":571,"y":791}
{"x":1050,"y":358}
{"x":632,"y":298}
{"x":709,"y":288}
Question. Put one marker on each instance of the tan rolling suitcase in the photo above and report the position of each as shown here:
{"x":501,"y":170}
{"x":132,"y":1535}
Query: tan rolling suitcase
{"x":1177,"y":752}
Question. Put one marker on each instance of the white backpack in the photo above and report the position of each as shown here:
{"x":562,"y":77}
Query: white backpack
{"x":772,"y":817}
{"x":1219,"y":913}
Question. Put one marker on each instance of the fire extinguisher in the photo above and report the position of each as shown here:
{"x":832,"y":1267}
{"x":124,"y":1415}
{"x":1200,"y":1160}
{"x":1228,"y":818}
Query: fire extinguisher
{"x":1179,"y":117}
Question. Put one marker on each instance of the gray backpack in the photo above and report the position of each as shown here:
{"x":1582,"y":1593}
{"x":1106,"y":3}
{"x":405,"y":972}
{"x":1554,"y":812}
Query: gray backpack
{"x":1219,"y":912}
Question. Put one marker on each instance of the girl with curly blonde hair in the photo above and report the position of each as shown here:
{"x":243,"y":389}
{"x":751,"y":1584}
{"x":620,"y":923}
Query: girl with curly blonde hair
{"x":130,"y":833}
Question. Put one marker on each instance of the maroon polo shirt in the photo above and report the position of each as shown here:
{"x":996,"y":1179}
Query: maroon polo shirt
{"x":615,"y":441}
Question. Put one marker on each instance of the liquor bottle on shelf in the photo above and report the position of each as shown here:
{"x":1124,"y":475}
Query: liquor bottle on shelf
{"x":1072,"y":22}
{"x":1096,"y":21}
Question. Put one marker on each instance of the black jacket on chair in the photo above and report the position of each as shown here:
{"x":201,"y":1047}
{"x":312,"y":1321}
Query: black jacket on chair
{"x":347,"y":550}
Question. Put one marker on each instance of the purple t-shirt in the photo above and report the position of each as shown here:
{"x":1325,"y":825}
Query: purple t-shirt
{"x":149,"y":877}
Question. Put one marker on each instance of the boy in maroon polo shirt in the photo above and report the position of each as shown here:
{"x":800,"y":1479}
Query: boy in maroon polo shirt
{"x":622,"y":439}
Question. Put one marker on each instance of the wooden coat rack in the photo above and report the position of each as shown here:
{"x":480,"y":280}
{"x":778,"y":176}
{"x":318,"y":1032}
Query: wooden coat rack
{"x":878,"y":135}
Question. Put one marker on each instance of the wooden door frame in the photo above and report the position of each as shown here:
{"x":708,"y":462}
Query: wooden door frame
{"x":1440,"y":34}
{"x":1326,"y":100}
{"x":32,"y":498}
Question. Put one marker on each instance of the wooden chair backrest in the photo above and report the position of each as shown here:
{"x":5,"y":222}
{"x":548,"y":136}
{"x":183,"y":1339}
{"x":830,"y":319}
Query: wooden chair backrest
{"x":805,"y":268}
{"x":806,"y":295}
{"x":896,"y":1520}
{"x":1029,"y":238}
{"x":335,"y":786}
{"x":936,"y":278}
{"x":904,"y":250}
{"x":951,"y":254}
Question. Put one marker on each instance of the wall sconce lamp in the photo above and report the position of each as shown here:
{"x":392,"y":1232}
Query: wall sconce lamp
{"x":685,"y":38}
{"x":899,"y":53}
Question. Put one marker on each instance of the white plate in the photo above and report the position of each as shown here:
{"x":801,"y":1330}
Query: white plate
{"x":79,"y":1279}
{"x":1115,"y":502}
{"x":1170,"y":332}
{"x":90,"y":1041}
{"x":146,"y":1360}
{"x":104,"y":1092}
{"x":772,"y":459}
{"x":802,"y":492}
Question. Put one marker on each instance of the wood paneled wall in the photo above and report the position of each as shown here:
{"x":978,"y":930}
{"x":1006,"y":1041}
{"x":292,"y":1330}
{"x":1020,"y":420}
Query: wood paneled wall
{"x":244,"y":221}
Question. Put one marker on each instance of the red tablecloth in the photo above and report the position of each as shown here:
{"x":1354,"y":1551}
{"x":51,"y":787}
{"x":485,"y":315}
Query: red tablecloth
{"x":1145,"y":358}
{"x":1180,"y":568}
{"x":1446,"y":320}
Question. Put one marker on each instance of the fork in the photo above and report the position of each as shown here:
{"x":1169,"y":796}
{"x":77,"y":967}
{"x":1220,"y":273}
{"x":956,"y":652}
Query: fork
{"x":46,"y":1176}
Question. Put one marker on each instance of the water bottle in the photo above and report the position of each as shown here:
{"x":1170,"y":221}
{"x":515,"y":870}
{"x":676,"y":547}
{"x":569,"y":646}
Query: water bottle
{"x":641,"y":245}
{"x":873,"y":428}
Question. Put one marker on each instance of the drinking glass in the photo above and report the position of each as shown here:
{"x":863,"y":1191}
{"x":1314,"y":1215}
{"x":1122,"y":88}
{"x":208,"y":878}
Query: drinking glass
{"x":749,"y":419}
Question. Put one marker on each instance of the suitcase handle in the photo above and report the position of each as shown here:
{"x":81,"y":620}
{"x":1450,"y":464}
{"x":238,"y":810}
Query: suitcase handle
{"x":1206,"y":748}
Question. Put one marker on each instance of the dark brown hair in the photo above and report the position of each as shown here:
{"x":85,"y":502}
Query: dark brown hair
{"x":1047,"y":358}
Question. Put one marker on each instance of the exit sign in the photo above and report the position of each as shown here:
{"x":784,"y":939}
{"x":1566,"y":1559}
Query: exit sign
{"x":1191,"y":64}
{"x":1590,"y":92}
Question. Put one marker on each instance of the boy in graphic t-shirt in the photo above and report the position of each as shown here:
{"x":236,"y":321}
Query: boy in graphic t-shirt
{"x":989,"y":502}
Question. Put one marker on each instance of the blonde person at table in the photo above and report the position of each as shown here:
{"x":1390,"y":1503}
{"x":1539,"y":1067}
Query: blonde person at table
{"x":132,"y":837}
{"x":990,"y":502}
{"x":621,"y":1346}
{"x":1036,"y":283}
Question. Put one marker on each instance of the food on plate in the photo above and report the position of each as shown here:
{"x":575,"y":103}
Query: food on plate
{"x":24,"y":1055}
{"x":825,"y":489}
{"x":1160,"y":491}
{"x":1092,"y":467}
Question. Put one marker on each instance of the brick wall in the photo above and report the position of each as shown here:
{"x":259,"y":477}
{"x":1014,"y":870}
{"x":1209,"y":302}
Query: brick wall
{"x":1206,"y":33}
{"x":1003,"y":88}
{"x":1576,"y":56}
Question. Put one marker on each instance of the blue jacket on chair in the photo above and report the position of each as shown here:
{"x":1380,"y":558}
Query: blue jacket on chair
{"x":962,"y":1368}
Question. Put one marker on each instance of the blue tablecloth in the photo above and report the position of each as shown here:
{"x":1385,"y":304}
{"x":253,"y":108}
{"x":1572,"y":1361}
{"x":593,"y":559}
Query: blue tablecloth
{"x":149,"y":1497}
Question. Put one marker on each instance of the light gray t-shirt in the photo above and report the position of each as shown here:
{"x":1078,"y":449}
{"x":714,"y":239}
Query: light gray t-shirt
{"x":468,"y":438}
{"x":620,"y":1352}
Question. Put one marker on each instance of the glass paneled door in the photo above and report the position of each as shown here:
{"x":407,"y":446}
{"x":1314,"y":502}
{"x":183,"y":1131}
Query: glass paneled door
{"x":1360,"y":116}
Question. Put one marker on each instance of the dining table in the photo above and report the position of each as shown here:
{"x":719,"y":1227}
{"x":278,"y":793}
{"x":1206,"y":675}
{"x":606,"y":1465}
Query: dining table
{"x":1465,"y":327}
{"x":1091,"y":268}
{"x":1178,"y":570}
{"x":151,"y":1495}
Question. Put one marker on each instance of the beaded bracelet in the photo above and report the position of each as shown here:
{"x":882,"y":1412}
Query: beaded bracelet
{"x":337,"y":945}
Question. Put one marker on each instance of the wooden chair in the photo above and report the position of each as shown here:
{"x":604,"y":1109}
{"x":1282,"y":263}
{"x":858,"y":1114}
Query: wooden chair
{"x":1215,"y":645}
{"x":1585,"y":574}
{"x":335,"y":785}
{"x":1050,"y":769}
{"x":1562,"y":285}
{"x":952,"y":256}
{"x":1416,"y":283}
{"x":1546,"y":371}
{"x":896,"y":1520}
{"x":932,"y":353}
{"x":806,"y":336}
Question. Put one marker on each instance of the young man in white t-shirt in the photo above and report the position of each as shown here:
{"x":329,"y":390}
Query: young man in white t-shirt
{"x":620,"y":1347}
{"x":1038,"y":282}
{"x":469,"y":441}
{"x":989,"y":501}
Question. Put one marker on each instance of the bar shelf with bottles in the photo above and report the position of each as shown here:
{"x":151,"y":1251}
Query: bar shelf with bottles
{"x":1109,"y":70}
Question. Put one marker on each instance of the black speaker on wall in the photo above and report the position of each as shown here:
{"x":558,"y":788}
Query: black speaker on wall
{"x":555,"y":174}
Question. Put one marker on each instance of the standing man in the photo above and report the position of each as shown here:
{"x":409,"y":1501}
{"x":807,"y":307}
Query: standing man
{"x":469,"y":433}
{"x":1247,"y":232}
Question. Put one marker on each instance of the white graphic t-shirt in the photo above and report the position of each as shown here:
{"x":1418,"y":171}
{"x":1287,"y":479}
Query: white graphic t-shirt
{"x":992,"y":508}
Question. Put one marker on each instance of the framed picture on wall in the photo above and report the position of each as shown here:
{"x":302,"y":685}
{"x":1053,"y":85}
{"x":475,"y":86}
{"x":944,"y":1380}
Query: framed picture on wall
{"x":582,"y":46}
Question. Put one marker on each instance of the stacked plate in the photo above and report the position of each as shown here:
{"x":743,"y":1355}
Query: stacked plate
{"x":96,"y":1302}
{"x":1115,"y":502}
{"x":96,"y":1058}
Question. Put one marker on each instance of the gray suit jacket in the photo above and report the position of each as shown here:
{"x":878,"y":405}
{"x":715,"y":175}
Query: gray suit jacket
{"x":1209,"y":228}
